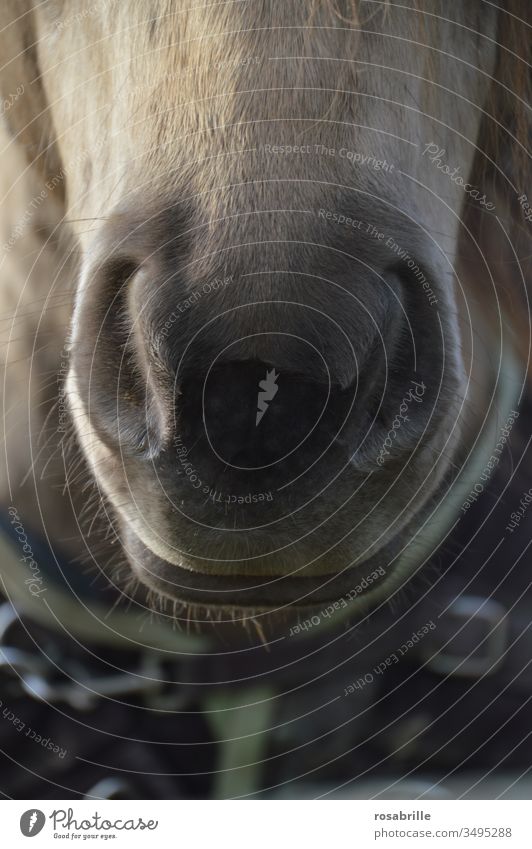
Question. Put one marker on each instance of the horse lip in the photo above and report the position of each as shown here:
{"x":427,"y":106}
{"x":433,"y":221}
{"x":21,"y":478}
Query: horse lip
{"x":239,"y":591}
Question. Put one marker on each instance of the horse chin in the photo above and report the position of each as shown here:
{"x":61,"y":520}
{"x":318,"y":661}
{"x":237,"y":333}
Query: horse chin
{"x":241,"y":595}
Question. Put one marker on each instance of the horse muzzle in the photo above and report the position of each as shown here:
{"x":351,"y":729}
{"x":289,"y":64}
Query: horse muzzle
{"x":257,"y":426}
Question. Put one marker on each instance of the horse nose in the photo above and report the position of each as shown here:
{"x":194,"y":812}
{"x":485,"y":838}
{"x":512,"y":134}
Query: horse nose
{"x":256,"y":415}
{"x":256,"y":372}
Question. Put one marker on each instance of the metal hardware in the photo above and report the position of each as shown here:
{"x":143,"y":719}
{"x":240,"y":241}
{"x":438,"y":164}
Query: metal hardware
{"x":77,"y":685}
{"x":481,"y":656}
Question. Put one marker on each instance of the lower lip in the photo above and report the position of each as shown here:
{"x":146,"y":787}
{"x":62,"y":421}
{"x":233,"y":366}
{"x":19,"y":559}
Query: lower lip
{"x":186,"y":586}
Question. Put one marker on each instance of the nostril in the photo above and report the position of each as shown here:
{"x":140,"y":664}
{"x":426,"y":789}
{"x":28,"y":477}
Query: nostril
{"x":112,"y":363}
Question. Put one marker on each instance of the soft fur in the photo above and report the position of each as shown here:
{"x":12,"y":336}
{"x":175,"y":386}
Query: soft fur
{"x":152,"y":119}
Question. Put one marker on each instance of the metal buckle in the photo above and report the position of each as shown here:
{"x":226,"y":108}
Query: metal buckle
{"x":484,"y":654}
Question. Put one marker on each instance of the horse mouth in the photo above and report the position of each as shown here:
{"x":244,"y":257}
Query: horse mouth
{"x":350,"y":587}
